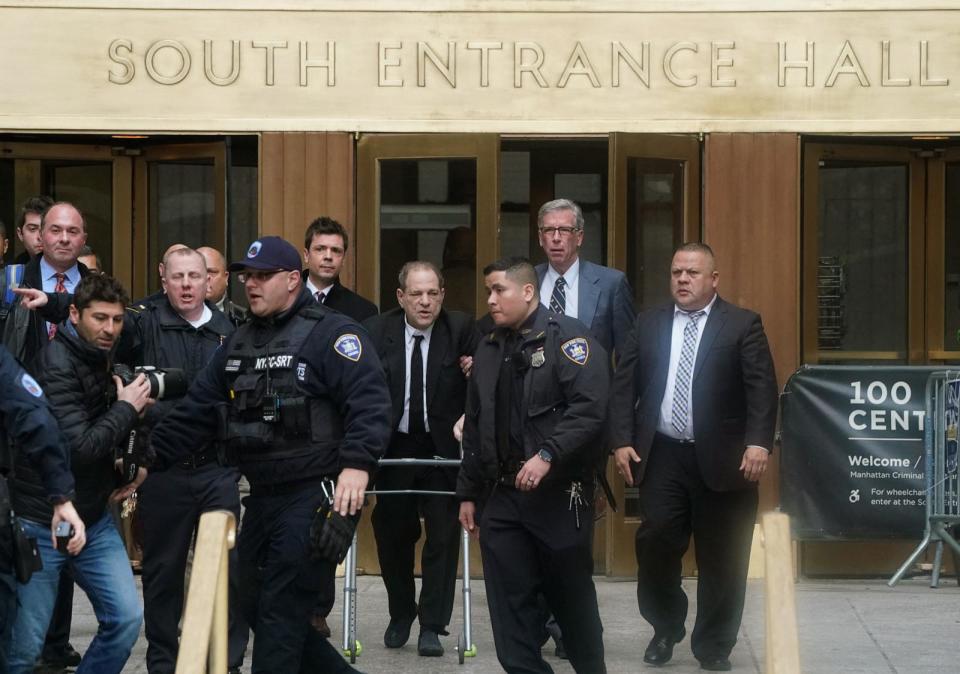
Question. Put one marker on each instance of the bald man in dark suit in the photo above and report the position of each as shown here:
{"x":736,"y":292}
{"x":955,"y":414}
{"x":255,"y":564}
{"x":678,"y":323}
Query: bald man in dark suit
{"x":693,"y":413}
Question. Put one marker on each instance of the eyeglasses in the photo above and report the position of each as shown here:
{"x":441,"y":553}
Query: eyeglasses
{"x":258,"y":276}
{"x":562,"y":231}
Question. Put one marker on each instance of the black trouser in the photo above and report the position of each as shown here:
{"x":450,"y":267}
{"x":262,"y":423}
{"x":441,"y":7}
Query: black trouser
{"x":170,"y":505}
{"x":396,"y":527}
{"x":58,"y":634}
{"x":279,"y":582}
{"x":531,"y":544}
{"x":8,"y":587}
{"x":675,"y":503}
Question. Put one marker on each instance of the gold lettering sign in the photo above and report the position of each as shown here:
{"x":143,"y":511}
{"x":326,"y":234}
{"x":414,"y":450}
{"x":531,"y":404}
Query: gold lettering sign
{"x":523,"y":71}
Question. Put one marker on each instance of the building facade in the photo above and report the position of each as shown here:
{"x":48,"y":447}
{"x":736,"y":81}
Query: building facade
{"x":816,"y":149}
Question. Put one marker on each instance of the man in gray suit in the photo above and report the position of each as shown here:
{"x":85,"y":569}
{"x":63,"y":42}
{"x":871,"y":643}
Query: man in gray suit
{"x":598,"y":296}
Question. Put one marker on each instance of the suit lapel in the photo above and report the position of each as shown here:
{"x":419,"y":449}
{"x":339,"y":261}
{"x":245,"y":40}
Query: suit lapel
{"x":588,"y":294}
{"x":715,"y":321}
{"x":664,"y":341}
{"x":396,"y":348}
{"x":439,"y":343}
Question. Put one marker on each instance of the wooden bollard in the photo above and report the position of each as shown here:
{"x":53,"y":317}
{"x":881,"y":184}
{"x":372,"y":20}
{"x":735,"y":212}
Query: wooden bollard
{"x":783,"y":646}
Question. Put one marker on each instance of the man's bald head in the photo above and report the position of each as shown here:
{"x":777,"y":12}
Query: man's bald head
{"x":176,"y":246}
{"x":217,"y":274}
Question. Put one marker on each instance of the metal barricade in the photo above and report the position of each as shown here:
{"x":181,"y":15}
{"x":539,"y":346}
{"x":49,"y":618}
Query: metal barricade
{"x":940,"y":473}
{"x":351,"y":642}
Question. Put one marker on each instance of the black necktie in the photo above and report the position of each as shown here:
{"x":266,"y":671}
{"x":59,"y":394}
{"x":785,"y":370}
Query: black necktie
{"x":415,"y":420}
{"x":558,"y":300}
{"x":321,"y":298}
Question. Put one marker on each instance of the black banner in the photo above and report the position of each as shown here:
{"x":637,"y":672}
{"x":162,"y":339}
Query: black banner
{"x":852,"y":451}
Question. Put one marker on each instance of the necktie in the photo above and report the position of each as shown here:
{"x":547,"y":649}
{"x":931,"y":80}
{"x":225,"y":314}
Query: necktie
{"x":681,"y":391}
{"x":59,"y":288}
{"x":415,"y":420}
{"x":558,"y":300}
{"x":321,"y":298}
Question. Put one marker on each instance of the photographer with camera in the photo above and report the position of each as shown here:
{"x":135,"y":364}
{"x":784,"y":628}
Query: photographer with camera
{"x":298,"y":399}
{"x":95,"y":413}
{"x":179,"y":330}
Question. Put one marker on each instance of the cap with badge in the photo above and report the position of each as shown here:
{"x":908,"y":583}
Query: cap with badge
{"x":269,"y":253}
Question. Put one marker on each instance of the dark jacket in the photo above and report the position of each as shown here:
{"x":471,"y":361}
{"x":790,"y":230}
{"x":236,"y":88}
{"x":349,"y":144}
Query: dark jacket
{"x":325,"y":368}
{"x":28,"y":429}
{"x":155,"y":334}
{"x":77,"y":379}
{"x":563,"y":408}
{"x":733,"y":390}
{"x":25,"y":331}
{"x":454,"y":335}
{"x":348,"y":302}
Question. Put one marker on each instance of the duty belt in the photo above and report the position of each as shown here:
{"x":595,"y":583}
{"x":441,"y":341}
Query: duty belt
{"x":199,"y":459}
{"x":507,"y":475}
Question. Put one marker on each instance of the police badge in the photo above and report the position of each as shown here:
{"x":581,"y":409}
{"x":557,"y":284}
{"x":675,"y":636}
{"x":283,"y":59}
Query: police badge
{"x":537,"y":358}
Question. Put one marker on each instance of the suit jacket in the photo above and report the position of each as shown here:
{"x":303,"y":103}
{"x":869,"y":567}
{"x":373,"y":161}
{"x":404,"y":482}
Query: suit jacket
{"x":348,"y":302}
{"x":604,"y":304}
{"x":734,"y":390}
{"x":25,"y":331}
{"x":454,"y":335}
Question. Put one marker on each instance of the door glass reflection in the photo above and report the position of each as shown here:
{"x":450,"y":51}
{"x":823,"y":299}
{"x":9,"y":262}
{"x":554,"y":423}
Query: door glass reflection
{"x":428,"y":212}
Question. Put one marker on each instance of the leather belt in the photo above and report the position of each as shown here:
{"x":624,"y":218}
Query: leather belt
{"x":199,"y":459}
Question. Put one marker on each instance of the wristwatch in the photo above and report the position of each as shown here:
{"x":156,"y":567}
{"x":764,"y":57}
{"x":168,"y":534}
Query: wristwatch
{"x":545,"y":455}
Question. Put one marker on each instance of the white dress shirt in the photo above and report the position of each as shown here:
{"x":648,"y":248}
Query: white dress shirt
{"x":313,"y":290}
{"x":680,"y":320}
{"x":409,"y":333}
{"x":571,"y":293}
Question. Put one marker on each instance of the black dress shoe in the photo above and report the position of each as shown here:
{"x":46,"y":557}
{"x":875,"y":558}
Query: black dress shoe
{"x":660,"y":649}
{"x":428,"y":645}
{"x":716,"y":664}
{"x":398,"y":632}
{"x":59,"y":658}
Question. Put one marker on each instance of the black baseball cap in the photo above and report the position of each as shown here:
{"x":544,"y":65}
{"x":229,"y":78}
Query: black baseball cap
{"x":269,"y":252}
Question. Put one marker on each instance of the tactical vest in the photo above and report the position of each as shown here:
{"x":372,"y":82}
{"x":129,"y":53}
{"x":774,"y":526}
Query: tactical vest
{"x":268,"y":417}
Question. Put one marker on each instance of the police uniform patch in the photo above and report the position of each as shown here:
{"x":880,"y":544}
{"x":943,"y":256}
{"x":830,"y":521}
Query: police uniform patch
{"x":302,"y":371}
{"x":577,"y":350}
{"x":254,"y":249}
{"x":30,"y":385}
{"x":232,"y":365}
{"x":349,"y":347}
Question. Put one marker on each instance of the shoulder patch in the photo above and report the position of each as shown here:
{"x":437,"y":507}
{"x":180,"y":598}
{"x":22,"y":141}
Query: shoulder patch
{"x":349,"y":347}
{"x":30,"y":385}
{"x":577,"y":350}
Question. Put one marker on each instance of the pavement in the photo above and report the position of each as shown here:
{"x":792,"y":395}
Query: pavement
{"x":844,"y":626}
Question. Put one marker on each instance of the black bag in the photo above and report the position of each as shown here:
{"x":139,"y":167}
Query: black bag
{"x":26,"y":554}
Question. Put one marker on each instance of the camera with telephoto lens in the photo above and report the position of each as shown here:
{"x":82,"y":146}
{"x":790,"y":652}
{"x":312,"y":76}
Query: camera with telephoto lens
{"x":165,"y":383}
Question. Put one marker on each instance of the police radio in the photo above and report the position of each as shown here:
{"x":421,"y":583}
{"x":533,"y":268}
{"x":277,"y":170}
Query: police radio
{"x":270,"y":408}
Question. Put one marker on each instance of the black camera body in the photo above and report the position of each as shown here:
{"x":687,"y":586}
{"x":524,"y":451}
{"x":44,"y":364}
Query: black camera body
{"x":165,"y":383}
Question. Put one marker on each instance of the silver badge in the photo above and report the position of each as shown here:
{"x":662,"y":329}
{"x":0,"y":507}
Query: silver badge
{"x":537,"y":359}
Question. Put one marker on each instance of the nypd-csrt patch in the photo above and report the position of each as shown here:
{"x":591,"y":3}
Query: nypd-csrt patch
{"x":30,"y":385}
{"x":577,"y":350}
{"x":349,"y":347}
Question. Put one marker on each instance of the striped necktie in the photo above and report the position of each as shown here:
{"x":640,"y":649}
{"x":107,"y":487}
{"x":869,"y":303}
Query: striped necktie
{"x":681,"y":391}
{"x":558,"y":300}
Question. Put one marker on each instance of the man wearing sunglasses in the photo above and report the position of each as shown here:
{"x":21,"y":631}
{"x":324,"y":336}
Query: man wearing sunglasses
{"x":297,"y":399}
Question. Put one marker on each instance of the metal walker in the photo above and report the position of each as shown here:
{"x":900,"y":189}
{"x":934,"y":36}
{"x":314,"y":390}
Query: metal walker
{"x":351,"y":643}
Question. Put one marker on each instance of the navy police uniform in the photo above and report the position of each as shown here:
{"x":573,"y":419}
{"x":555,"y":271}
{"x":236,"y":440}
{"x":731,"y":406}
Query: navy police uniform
{"x":26,"y":425}
{"x":543,"y":387}
{"x":297,"y":397}
{"x":170,"y":503}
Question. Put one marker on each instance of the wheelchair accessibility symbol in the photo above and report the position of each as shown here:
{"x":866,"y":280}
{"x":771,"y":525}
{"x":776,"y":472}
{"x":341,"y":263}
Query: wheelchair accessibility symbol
{"x":854,"y":495}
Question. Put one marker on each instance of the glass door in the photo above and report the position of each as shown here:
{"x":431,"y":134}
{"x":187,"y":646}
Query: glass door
{"x":428,"y":197}
{"x":654,"y":205}
{"x":93,"y":177}
{"x":180,"y":198}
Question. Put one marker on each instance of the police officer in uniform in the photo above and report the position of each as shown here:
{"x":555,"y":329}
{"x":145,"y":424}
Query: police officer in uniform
{"x":297,"y":396}
{"x":27,"y":425}
{"x":536,"y":408}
